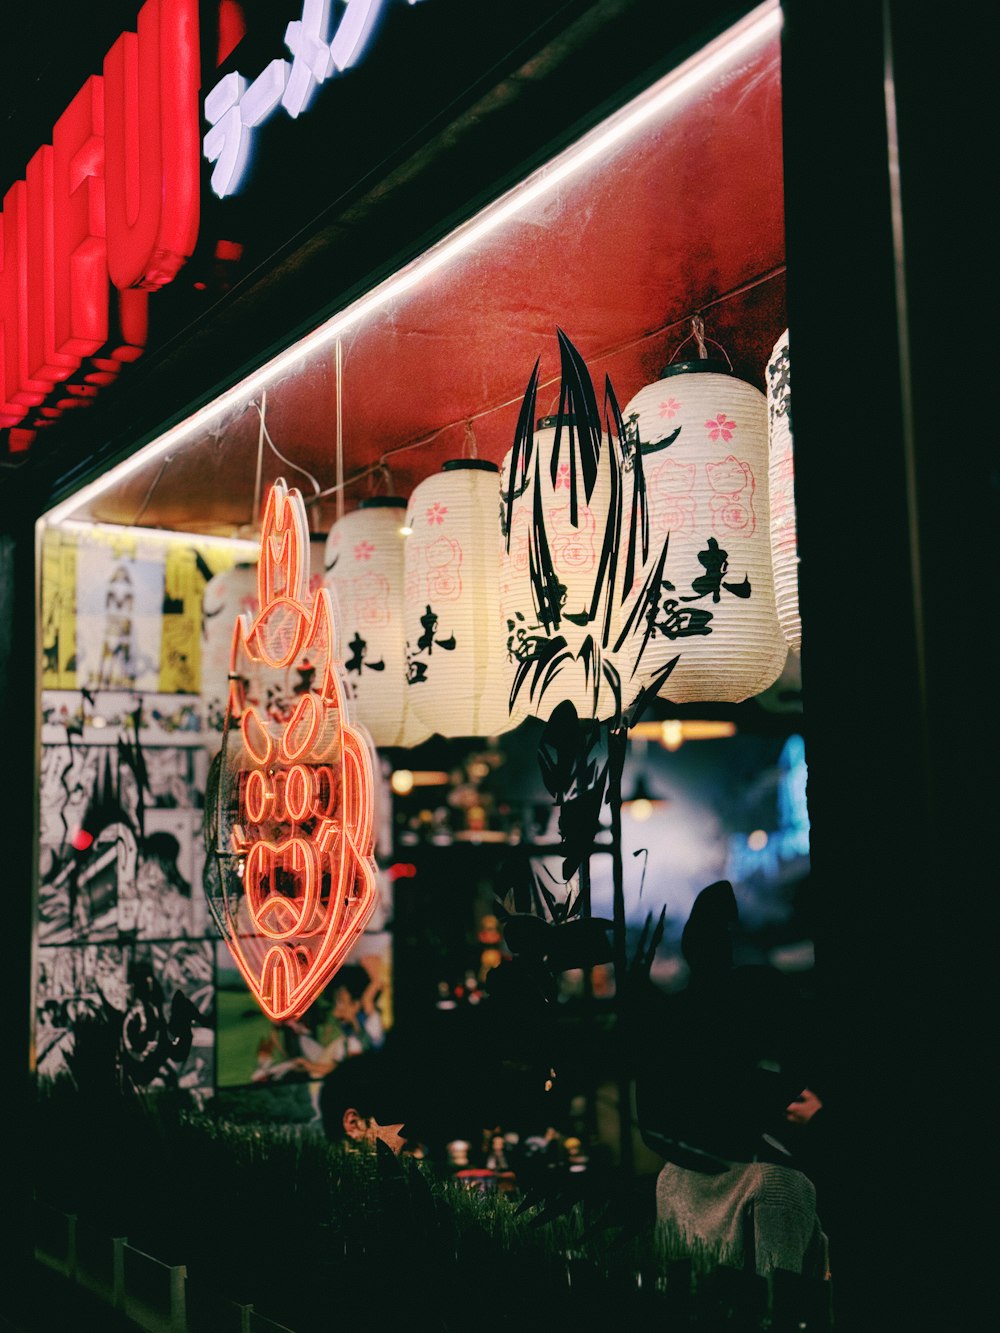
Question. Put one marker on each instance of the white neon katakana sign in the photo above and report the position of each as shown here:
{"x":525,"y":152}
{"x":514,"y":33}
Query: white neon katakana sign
{"x":235,"y":107}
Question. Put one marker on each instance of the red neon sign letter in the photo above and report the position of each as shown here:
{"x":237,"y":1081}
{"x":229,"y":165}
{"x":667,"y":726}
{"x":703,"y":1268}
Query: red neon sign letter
{"x":80,"y":262}
{"x":151,"y":82}
{"x":115,"y":196}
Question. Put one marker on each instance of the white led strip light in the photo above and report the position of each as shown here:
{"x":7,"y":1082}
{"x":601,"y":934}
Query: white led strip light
{"x":241,"y":545}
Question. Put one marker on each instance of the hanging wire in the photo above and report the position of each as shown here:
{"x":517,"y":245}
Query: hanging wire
{"x":149,"y":493}
{"x":382,"y":463}
{"x":339,"y":488}
{"x":344,"y":481}
{"x":279,"y":455}
{"x":260,"y":460}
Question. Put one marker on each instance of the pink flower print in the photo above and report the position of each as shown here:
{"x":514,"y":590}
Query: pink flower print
{"x":670,"y":408}
{"x":720,"y":428}
{"x":562,"y":476}
{"x":364,"y":551}
{"x":436,"y":513}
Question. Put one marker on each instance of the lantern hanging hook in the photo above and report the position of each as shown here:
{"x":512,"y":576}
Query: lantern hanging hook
{"x":698,"y":334}
{"x":382,"y":472}
{"x":470,"y":446}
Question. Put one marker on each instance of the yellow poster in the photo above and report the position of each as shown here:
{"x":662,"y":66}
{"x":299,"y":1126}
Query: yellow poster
{"x":58,"y":610}
{"x":188,"y":569}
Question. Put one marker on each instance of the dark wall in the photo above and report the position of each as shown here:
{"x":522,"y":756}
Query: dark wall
{"x":891,"y":508}
{"x":17,"y":677}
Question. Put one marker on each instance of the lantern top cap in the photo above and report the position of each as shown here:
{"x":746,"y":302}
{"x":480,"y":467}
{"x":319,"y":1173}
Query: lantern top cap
{"x":706,"y":365}
{"x":383,"y":502}
{"x":469,"y":465}
{"x":550,"y":423}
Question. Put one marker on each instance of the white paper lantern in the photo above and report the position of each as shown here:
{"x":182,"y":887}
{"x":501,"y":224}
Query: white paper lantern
{"x":364,"y":572}
{"x":576,"y":553}
{"x":459,"y":677}
{"x":781,"y":473}
{"x":227,"y":595}
{"x":703,"y":435}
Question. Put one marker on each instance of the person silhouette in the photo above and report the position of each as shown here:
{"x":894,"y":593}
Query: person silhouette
{"x":732,"y":1056}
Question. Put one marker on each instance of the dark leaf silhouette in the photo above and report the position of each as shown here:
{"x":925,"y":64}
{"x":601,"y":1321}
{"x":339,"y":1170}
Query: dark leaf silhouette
{"x":581,"y":421}
{"x":582,"y":943}
{"x":526,"y":934}
{"x":573,"y":760}
{"x":524,"y":986}
{"x":649,"y":942}
{"x":638,"y":529}
{"x":514,"y":883}
{"x":547,"y":592}
{"x":524,"y":890}
{"x":568,"y":944}
{"x":605,"y":580}
{"x":579,"y":822}
{"x":646,"y":695}
{"x":520,"y":459}
{"x":559,"y":751}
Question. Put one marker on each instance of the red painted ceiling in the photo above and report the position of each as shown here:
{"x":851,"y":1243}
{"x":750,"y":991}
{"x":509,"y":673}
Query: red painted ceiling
{"x":685,"y":218}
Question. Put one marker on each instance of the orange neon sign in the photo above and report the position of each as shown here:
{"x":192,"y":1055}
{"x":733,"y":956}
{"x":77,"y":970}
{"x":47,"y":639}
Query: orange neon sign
{"x":296,"y":800}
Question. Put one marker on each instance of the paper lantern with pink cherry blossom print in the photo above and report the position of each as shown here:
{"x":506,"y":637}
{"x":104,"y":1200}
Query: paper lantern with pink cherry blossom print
{"x":364,"y":573}
{"x":781,"y":473}
{"x":226,"y":596}
{"x":709,"y":585}
{"x":459,"y":680}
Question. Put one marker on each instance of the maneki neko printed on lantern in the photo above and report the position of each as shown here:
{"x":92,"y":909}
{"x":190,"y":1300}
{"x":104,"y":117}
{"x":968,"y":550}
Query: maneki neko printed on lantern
{"x":295,"y":802}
